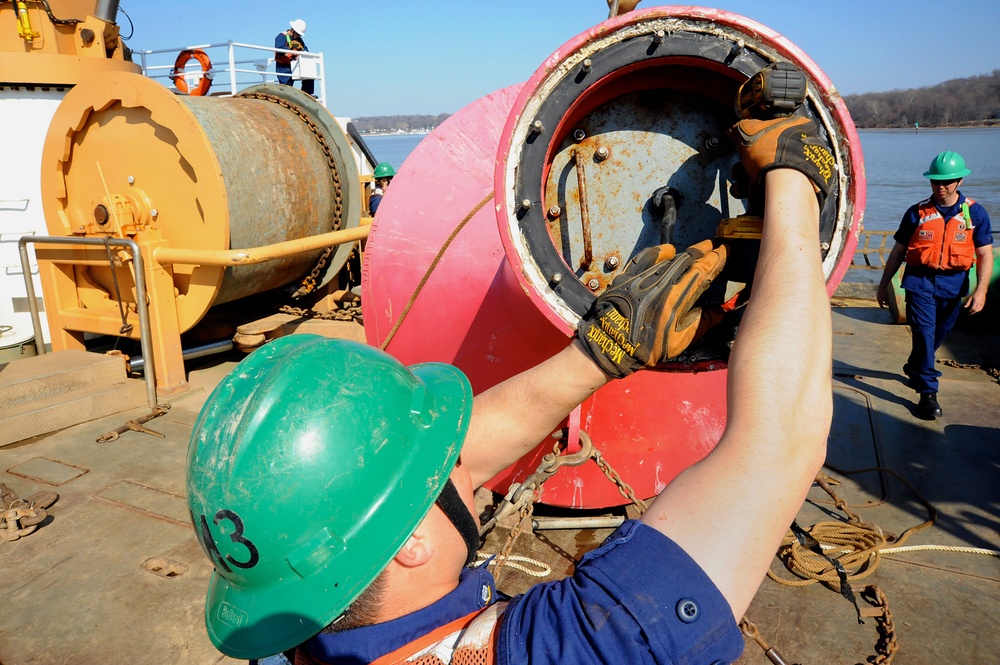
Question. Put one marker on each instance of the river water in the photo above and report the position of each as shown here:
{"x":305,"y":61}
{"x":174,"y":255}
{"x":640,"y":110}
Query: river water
{"x":894,"y":164}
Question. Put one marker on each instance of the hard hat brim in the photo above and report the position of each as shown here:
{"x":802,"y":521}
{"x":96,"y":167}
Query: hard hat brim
{"x":947,"y":176}
{"x":260,"y":622}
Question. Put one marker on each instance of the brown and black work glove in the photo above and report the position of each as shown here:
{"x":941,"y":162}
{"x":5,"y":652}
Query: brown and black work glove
{"x":647,"y":314}
{"x":791,"y":142}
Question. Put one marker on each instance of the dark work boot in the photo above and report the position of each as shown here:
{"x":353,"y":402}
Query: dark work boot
{"x":928,"y":407}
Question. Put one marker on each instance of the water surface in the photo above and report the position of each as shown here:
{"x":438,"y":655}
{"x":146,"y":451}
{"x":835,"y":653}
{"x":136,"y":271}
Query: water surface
{"x":895,"y":161}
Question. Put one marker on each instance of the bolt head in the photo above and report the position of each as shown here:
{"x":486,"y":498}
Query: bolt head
{"x":612,"y":262}
{"x":131,"y":180}
{"x":526,"y":205}
{"x":603,"y":153}
{"x":556,"y":277}
{"x":154,"y":213}
{"x":593,"y":284}
{"x":579,"y":134}
{"x":555,"y":211}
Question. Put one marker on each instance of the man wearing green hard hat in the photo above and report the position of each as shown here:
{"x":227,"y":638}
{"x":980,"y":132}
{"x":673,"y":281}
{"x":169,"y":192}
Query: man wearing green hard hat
{"x":332,"y":487}
{"x":940,"y":239}
{"x":384,"y":173}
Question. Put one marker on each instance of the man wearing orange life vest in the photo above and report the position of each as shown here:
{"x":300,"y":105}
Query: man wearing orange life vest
{"x":940,"y":239}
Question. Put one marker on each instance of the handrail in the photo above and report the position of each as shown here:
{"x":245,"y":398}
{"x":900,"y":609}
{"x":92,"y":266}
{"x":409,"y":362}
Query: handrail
{"x":864,"y":248}
{"x":249,"y":255}
{"x":142,"y":307}
{"x":165,"y":71}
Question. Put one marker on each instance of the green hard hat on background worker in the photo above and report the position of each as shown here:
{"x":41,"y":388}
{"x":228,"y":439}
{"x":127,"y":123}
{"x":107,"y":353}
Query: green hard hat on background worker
{"x":384,"y":170}
{"x":947,"y":166}
{"x":309,"y":467}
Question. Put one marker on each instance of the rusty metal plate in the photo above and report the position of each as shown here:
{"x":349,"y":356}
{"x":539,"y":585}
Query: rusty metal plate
{"x":148,"y":501}
{"x":48,"y":471}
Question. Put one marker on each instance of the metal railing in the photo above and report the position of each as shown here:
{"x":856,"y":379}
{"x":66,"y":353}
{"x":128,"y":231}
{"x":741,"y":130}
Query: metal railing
{"x":872,"y":250}
{"x":235,"y":66}
{"x":142,"y":307}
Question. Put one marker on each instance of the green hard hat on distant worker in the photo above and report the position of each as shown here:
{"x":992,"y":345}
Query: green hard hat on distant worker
{"x":384,"y":170}
{"x":947,"y":166}
{"x":309,"y":466}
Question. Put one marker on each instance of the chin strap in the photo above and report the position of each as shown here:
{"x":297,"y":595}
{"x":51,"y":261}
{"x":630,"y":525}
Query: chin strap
{"x":458,"y":513}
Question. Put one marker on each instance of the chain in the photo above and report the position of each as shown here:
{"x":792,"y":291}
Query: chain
{"x":991,"y":370}
{"x":887,"y":645}
{"x":612,"y":475}
{"x":351,"y":312}
{"x":524,"y":513}
{"x":309,"y":282}
{"x":521,"y":497}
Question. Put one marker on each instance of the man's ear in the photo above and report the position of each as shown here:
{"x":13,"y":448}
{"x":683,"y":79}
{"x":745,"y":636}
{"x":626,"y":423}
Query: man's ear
{"x":416,"y":551}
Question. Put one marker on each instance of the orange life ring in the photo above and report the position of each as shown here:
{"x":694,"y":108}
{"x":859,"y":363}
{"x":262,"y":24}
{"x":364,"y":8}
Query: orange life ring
{"x":178,"y":74}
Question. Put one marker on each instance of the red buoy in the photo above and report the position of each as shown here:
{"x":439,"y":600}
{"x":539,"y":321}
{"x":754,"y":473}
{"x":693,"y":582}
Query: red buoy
{"x":506,"y":221}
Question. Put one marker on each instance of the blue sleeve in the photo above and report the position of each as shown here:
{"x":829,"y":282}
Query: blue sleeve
{"x":983,"y":233}
{"x":303,"y":42}
{"x":373,"y":203}
{"x":907,"y":226}
{"x":639,"y":598}
{"x":279,"y":41}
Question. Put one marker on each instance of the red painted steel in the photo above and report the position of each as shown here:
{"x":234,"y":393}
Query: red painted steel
{"x":480,"y":310}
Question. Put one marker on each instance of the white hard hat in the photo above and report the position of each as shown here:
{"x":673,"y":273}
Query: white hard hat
{"x":299,"y":26}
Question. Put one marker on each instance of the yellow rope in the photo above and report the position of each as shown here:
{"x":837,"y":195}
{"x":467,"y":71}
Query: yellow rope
{"x":430,"y":269}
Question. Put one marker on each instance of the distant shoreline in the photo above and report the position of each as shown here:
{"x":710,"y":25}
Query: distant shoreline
{"x":399,"y":133}
{"x":984,"y":125}
{"x":931,"y":128}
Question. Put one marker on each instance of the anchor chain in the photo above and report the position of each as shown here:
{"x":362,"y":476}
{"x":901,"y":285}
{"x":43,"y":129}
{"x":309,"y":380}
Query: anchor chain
{"x":309,"y":282}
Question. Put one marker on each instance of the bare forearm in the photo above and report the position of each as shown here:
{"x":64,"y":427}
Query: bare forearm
{"x":751,"y":486}
{"x":892,"y":263}
{"x":984,"y":267}
{"x":511,"y":418}
{"x":780,"y":366}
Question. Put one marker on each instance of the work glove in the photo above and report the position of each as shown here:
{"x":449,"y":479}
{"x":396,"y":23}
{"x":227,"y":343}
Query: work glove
{"x":647,"y":314}
{"x":792,"y":142}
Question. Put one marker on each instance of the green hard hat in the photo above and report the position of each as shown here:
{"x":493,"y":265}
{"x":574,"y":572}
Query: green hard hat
{"x":384,"y":170}
{"x":947,"y":166}
{"x":309,"y":466}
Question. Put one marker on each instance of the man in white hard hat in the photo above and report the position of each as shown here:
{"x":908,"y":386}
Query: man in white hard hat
{"x":292,"y":39}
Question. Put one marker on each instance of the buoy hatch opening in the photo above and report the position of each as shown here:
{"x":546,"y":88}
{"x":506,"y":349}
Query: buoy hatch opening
{"x":616,"y":125}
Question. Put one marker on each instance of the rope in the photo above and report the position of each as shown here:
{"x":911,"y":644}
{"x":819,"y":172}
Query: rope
{"x":430,"y":269}
{"x":544,"y":570}
{"x":858,"y":544}
{"x":941,"y":548}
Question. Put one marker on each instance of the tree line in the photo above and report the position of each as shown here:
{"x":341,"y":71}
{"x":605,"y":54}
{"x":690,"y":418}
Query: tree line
{"x":974,"y":100}
{"x":391,"y":123}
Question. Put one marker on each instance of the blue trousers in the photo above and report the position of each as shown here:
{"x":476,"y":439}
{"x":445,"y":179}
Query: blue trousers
{"x":308,"y":85}
{"x":930,"y":319}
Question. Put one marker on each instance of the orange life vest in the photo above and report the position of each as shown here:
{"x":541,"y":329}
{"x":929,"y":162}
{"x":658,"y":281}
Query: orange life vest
{"x":470,"y":640}
{"x":939,"y":243}
{"x":286,"y":58}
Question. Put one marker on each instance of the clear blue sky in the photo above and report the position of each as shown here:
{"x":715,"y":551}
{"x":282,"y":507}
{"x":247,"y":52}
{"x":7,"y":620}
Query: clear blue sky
{"x":405,"y":56}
